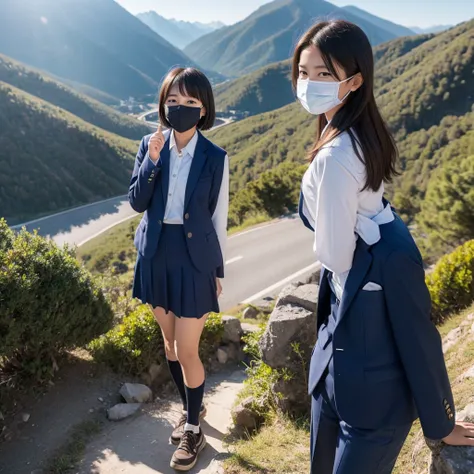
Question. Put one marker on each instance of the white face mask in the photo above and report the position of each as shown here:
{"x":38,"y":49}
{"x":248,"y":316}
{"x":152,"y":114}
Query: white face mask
{"x":319,"y":97}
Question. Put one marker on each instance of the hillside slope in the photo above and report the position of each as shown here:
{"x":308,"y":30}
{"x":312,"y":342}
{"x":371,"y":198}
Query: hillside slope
{"x":94,"y":42}
{"x":52,"y":160}
{"x":426,"y":98}
{"x":43,"y":87}
{"x":269,"y":35}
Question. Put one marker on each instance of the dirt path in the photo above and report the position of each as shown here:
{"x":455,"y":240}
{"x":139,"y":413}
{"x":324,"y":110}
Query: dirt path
{"x":140,"y":444}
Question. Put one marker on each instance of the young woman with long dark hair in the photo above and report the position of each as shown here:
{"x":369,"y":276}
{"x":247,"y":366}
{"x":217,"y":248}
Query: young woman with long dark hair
{"x":181,"y":183}
{"x":378,"y":362}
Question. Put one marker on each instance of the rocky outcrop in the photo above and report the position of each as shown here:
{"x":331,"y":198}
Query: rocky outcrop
{"x":453,"y":459}
{"x":287,"y":345}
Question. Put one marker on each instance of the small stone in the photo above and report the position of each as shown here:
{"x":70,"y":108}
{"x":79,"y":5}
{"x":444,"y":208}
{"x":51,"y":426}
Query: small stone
{"x":250,"y":313}
{"x":136,"y":393}
{"x":222,"y":355}
{"x":101,"y":400}
{"x":244,"y":416}
{"x":233,"y":351}
{"x":156,"y":371}
{"x":25,"y":417}
{"x":122,"y":410}
{"x":248,"y":328}
{"x":91,"y":410}
{"x":232,"y":329}
{"x":469,"y":374}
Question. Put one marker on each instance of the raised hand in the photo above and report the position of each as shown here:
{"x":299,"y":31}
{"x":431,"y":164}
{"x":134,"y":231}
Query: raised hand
{"x":156,"y":144}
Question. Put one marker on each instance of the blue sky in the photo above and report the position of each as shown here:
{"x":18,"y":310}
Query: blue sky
{"x":421,"y":13}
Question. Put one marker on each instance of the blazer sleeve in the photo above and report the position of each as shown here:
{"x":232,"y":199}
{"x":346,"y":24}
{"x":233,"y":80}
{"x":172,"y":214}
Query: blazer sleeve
{"x":220,"y":208}
{"x":143,"y":179}
{"x":419,"y":343}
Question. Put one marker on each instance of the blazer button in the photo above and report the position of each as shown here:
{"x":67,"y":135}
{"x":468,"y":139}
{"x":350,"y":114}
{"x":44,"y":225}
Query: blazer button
{"x":186,"y":216}
{"x":190,"y":235}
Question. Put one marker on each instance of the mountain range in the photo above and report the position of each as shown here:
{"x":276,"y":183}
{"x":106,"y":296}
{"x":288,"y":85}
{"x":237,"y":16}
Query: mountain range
{"x":430,"y":29}
{"x":269,"y":35}
{"x":95,"y":43}
{"x":179,"y":33}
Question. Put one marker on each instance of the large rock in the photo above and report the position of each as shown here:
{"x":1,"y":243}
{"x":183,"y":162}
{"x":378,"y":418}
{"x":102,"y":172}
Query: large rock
{"x":454,"y":459}
{"x":122,"y":410}
{"x":248,"y":329}
{"x":305,"y":296}
{"x":136,"y":393}
{"x":288,"y":325}
{"x":232,"y":329}
{"x":292,"y":396}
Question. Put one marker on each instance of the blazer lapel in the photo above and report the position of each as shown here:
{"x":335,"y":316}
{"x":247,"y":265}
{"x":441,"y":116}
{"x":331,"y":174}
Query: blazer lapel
{"x":197,"y":165}
{"x":360,"y":267}
{"x":165,"y":170}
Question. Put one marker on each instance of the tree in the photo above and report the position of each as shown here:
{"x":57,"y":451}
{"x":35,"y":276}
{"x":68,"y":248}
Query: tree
{"x":447,"y":213}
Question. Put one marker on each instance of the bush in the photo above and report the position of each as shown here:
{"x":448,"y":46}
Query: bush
{"x":451,"y":284}
{"x":133,"y":346}
{"x":48,"y":303}
{"x":260,"y":378}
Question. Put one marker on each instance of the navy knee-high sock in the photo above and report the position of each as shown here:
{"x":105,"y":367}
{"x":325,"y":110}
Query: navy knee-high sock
{"x":194,"y":397}
{"x":177,"y":374}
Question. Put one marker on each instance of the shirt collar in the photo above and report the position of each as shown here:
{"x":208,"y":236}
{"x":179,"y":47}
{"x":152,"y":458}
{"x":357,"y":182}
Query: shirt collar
{"x":189,"y":149}
{"x":368,"y":228}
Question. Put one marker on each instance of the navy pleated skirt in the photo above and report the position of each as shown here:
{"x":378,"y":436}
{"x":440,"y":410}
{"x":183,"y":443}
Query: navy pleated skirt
{"x":171,"y":281}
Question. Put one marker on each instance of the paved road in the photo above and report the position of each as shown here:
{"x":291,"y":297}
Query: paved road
{"x":260,"y":261}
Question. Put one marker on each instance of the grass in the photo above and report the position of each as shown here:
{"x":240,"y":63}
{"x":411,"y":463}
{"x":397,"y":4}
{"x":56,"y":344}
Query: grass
{"x":282,"y":445}
{"x":70,"y":453}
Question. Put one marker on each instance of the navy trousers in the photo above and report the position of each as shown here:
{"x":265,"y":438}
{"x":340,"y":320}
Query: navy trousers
{"x":336,"y":447}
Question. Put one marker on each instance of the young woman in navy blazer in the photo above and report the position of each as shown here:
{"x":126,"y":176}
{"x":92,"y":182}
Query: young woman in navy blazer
{"x":378,"y":362}
{"x":181,"y":183}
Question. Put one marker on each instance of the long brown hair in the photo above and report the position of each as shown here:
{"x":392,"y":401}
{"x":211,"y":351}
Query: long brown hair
{"x":345,"y":44}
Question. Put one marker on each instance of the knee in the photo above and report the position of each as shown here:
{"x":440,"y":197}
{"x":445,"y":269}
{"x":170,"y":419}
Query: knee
{"x":186,"y":356}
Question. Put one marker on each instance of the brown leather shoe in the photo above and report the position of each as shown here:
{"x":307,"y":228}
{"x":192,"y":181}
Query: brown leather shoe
{"x":178,"y":431}
{"x":186,"y":455}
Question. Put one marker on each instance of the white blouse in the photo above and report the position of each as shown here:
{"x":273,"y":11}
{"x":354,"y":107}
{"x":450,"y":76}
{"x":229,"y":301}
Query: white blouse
{"x":180,"y":166}
{"x":337,"y":208}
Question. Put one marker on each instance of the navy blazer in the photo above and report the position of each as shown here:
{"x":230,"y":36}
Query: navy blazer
{"x":387,"y":354}
{"x":148,"y":193}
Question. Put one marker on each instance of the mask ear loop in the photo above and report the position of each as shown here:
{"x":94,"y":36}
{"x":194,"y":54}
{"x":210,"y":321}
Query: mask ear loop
{"x":347,"y":95}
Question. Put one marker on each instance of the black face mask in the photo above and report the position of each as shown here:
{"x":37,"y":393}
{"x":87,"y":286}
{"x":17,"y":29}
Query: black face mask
{"x":183,"y":118}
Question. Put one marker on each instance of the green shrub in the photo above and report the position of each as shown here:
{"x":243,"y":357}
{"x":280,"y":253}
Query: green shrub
{"x":451,"y":284}
{"x":136,"y":343}
{"x":260,"y":378}
{"x":48,"y":303}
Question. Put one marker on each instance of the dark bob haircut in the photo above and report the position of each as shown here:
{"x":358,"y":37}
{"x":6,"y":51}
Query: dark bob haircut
{"x":192,"y":83}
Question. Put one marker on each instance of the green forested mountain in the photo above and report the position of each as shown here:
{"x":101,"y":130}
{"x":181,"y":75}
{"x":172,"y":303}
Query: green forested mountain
{"x":269,"y":87}
{"x":51,"y":159}
{"x":49,"y":90}
{"x":426,"y":96}
{"x":93,"y":42}
{"x":268,"y":36}
{"x":266,"y":89}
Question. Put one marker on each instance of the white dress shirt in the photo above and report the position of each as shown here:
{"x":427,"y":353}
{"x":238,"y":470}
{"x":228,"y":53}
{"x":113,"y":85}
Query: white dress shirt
{"x":180,"y":166}
{"x":338,"y":209}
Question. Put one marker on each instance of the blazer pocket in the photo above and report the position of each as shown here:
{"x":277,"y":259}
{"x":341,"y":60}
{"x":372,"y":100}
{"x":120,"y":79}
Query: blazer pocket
{"x":371,"y":286}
